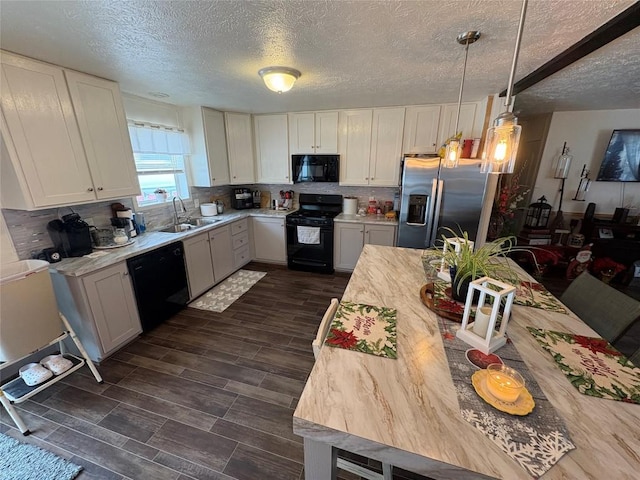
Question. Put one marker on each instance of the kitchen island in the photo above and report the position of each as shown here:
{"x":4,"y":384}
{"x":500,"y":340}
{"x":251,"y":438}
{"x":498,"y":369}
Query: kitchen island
{"x":405,"y":412}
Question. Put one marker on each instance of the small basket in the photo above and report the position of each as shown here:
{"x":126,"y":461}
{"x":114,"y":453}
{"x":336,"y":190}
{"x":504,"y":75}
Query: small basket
{"x":102,"y":236}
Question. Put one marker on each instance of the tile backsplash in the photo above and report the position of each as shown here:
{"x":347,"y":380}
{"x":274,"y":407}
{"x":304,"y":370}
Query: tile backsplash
{"x":28,"y":229}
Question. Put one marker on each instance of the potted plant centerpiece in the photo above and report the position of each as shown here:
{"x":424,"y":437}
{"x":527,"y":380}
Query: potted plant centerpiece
{"x":467,"y":264}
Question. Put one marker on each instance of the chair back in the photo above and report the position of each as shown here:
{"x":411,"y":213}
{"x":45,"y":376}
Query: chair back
{"x":605,"y":309}
{"x":323,"y":329}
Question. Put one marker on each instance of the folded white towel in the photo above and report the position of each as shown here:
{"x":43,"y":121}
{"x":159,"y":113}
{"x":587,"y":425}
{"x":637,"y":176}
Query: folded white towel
{"x":309,"y":235}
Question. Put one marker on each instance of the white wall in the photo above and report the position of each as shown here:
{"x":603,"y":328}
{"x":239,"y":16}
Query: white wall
{"x":7,"y":251}
{"x":150,"y":111}
{"x":587,"y":134}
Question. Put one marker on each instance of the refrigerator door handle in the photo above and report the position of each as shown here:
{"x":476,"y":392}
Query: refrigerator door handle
{"x":439,"y":184}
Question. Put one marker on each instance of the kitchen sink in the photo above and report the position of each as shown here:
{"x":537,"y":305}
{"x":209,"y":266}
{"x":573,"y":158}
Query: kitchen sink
{"x":192,"y":224}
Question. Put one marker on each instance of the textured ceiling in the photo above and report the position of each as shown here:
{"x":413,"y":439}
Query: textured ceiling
{"x":351,"y":53}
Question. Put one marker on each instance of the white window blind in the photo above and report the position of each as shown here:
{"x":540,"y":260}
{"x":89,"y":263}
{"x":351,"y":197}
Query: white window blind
{"x":147,"y":138}
{"x":159,"y":155}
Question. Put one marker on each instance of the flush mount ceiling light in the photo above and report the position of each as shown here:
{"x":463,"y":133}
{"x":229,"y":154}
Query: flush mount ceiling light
{"x":452,"y":153}
{"x":501,"y":144}
{"x":279,"y":79}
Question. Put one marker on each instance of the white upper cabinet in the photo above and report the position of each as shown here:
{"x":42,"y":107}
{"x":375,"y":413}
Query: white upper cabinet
{"x":313,"y":132}
{"x":272,"y":149}
{"x":66,"y":140}
{"x":386,"y":147}
{"x":39,"y":129}
{"x":208,"y":160}
{"x":240,"y":148}
{"x":466,"y":123}
{"x":421,"y":129}
{"x":103,"y":128}
{"x":355,"y":146}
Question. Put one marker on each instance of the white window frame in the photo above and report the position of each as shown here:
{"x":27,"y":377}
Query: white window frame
{"x":163,"y":149}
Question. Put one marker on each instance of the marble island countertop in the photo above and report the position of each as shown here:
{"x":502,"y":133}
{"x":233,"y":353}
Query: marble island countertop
{"x":151,"y":240}
{"x":405,"y":411}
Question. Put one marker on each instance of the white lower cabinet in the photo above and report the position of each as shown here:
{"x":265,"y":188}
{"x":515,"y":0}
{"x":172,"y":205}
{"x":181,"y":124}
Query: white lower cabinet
{"x":208,"y":258}
{"x":269,"y":239}
{"x":240,"y":243}
{"x":350,"y":238}
{"x":221,"y":253}
{"x":197,"y":258}
{"x":101,"y":308}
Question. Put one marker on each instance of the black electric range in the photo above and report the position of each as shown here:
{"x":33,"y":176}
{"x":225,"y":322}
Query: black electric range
{"x":310,"y":233}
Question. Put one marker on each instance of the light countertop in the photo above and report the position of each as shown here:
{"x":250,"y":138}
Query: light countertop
{"x":365,"y":219}
{"x":405,"y":411}
{"x":151,"y":240}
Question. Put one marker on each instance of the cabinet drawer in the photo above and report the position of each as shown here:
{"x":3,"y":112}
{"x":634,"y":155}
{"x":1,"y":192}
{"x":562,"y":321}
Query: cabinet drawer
{"x":240,"y":240}
{"x":241,"y":257}
{"x":239,"y":227}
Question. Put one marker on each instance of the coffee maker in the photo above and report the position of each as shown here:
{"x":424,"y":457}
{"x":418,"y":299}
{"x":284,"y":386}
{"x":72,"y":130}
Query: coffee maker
{"x":241,"y":198}
{"x":70,"y":236}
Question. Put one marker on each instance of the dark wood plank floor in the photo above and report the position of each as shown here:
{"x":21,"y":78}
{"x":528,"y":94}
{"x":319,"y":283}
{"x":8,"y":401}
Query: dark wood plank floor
{"x":204,"y":396}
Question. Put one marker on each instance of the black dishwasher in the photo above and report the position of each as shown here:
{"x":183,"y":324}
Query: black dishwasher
{"x":160,"y":283}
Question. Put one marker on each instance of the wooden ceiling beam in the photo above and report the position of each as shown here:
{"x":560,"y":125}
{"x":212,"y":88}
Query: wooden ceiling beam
{"x":614,"y":28}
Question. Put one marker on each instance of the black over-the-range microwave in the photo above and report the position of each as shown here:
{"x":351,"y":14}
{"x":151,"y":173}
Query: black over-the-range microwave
{"x":315,"y":168}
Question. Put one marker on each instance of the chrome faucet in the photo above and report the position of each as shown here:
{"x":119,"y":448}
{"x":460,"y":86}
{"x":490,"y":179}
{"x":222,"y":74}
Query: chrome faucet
{"x":183,"y":209}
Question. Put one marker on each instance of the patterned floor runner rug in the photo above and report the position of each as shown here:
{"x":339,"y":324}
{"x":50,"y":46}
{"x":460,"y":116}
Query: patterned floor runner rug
{"x":220,"y":297}
{"x":21,"y":461}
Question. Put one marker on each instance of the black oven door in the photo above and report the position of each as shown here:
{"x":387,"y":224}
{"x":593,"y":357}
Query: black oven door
{"x":311,"y":256}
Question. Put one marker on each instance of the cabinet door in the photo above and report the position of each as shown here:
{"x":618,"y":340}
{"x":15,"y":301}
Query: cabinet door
{"x":355,"y":146}
{"x":240,"y":148}
{"x":380,"y":235}
{"x":103,"y":127}
{"x":40,"y":128}
{"x":326,"y":132}
{"x":197,"y":258}
{"x":465,"y":123}
{"x":216,"y":143}
{"x":110,"y":297}
{"x":386,"y":147}
{"x":302,"y":133}
{"x":272,"y":148}
{"x":269,"y":239}
{"x":221,"y":252}
{"x":349,"y":240}
{"x":421,"y":129}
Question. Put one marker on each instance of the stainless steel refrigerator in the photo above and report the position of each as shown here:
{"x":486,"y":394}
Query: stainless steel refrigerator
{"x":434,"y":197}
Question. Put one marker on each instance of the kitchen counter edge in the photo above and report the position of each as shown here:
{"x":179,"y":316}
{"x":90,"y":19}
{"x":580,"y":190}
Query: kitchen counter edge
{"x":370,"y":219}
{"x":150,"y":240}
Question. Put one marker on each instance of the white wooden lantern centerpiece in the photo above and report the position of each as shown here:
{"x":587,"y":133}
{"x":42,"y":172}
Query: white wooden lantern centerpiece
{"x":456,"y":243}
{"x":487,"y":314}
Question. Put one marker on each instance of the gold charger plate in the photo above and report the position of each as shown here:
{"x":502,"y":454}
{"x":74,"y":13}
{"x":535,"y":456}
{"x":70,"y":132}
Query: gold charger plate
{"x":523,"y":406}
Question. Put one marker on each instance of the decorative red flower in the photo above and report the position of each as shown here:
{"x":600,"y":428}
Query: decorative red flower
{"x":606,"y":264}
{"x":596,"y":345}
{"x":449,"y":305}
{"x":342,"y":339}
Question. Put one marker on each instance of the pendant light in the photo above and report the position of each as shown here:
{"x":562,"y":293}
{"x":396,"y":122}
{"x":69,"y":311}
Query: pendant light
{"x":279,"y":79}
{"x":454,"y":148}
{"x":501,"y":143}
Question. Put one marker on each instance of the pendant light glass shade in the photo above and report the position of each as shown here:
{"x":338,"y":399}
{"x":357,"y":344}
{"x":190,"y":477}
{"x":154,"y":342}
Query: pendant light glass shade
{"x":454,"y":146}
{"x":501,"y":144}
{"x":452,"y":154}
{"x":503,"y":138}
{"x":279,"y":79}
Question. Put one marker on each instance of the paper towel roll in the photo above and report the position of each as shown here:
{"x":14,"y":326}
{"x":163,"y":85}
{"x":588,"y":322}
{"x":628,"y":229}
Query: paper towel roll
{"x":350,"y":205}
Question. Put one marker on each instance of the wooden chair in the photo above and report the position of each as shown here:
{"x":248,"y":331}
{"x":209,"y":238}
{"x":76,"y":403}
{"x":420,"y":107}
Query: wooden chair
{"x":605,"y":309}
{"x":342,"y":463}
